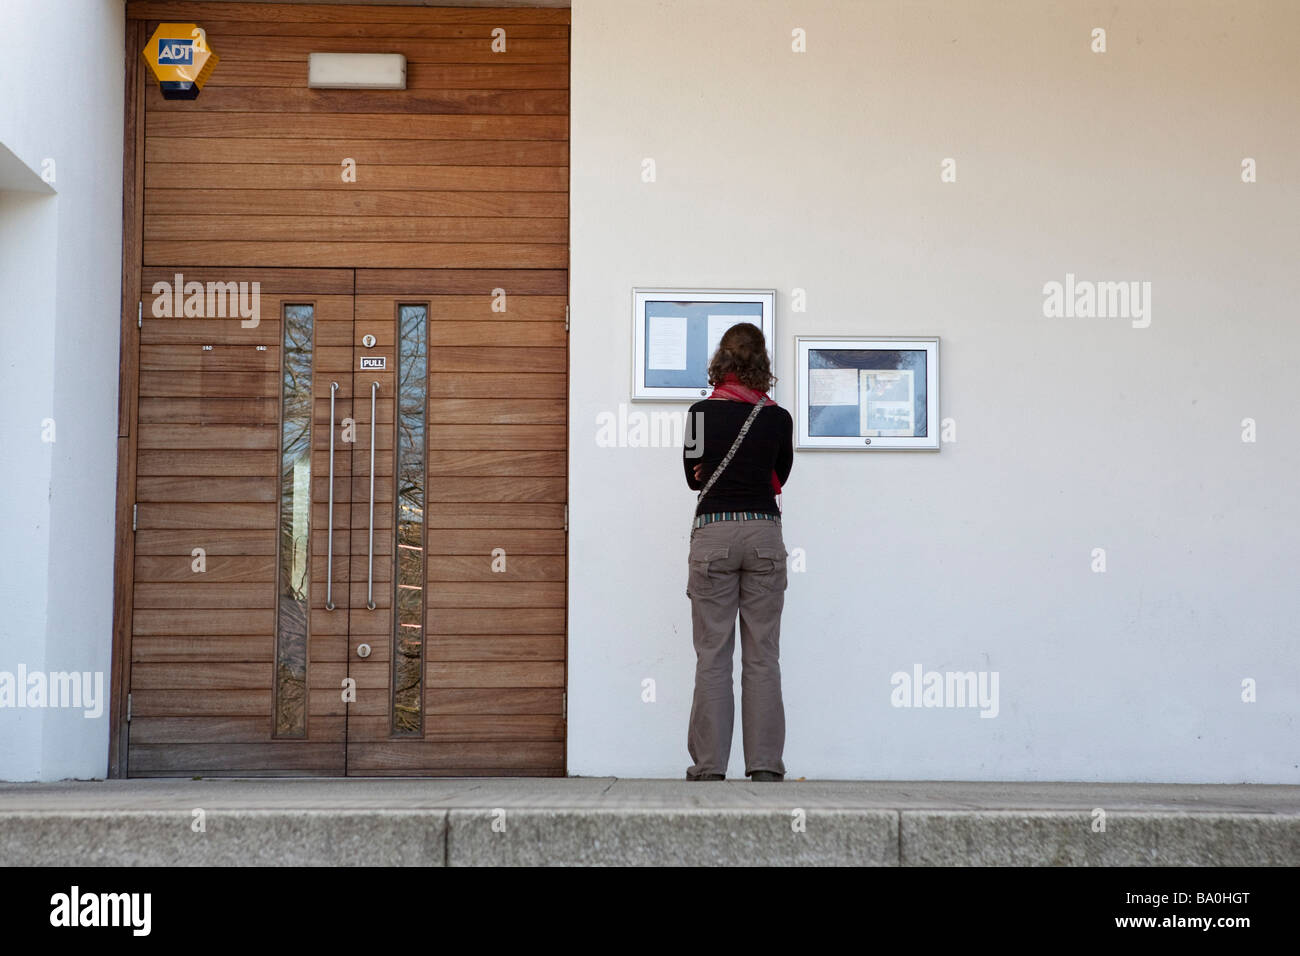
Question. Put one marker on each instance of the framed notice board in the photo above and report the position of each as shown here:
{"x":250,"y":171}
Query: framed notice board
{"x":867,"y":393}
{"x":676,"y":331}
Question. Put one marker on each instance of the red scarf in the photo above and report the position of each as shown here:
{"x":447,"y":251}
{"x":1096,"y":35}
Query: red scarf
{"x":730,"y":389}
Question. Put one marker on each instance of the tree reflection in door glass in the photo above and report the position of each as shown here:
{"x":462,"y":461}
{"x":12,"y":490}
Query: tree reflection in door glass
{"x":408,"y":577}
{"x":293,"y":582}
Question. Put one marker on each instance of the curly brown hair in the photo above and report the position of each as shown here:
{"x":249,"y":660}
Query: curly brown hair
{"x":743,"y":353}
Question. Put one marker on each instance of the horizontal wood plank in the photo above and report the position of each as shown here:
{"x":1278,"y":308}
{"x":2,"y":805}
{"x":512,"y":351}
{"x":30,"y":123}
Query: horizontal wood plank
{"x":426,"y":282}
{"x":501,"y":515}
{"x":477,"y":50}
{"x":209,"y":411}
{"x":359,"y":201}
{"x":279,"y":757}
{"x":402,"y":255}
{"x":203,"y":592}
{"x":497,"y":489}
{"x":248,"y":437}
{"x":261,"y":27}
{"x":225,"y":675}
{"x":494,"y":674}
{"x":330,"y":13}
{"x":246,"y":516}
{"x":484,"y":436}
{"x":273,"y":281}
{"x":517,"y":462}
{"x":216,"y":462}
{"x":218,"y":358}
{"x":181,"y":569}
{"x":496,"y":647}
{"x":166,"y":489}
{"x":214,"y":541}
{"x":359,"y":228}
{"x":505,"y":358}
{"x":429,"y":756}
{"x":273,"y":99}
{"x":359,"y":126}
{"x":466,"y":728}
{"x":179,"y":384}
{"x":491,"y":569}
{"x":518,"y":334}
{"x":421,"y":76}
{"x":493,"y":594}
{"x":178,"y":702}
{"x":328,"y":175}
{"x":496,"y":411}
{"x":491,"y":384}
{"x":495,"y":700}
{"x":175,"y":730}
{"x":496,"y":621}
{"x":365,"y":153}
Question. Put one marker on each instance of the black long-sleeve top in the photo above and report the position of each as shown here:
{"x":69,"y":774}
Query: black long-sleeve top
{"x":768,"y":446}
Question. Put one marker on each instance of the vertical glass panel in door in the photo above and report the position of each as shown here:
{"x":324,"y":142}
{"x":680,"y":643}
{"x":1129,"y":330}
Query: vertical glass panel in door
{"x":293,"y":576}
{"x":408,"y":555}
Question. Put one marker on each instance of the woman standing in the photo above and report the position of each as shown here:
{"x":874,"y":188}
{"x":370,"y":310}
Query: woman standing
{"x":738,"y":454}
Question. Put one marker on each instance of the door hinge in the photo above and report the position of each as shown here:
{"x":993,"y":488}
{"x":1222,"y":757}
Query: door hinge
{"x":128,"y":708}
{"x":566,"y":517}
{"x":565,"y":705}
{"x":139,"y":315}
{"x":566,"y":318}
{"x":135,"y":512}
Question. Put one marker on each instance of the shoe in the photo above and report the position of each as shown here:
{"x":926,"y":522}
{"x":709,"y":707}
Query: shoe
{"x":767,"y":776}
{"x":709,"y":776}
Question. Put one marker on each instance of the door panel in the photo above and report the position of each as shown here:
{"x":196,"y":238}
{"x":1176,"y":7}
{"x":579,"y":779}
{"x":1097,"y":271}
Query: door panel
{"x":455,"y":683}
{"x":233,"y":671}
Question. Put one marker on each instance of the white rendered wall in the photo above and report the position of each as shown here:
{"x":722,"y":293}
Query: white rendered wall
{"x":821,"y":171}
{"x":61,"y":260}
{"x":27,"y":242}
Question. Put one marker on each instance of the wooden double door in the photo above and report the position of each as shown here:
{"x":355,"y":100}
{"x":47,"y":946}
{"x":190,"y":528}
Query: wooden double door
{"x":349,"y":526}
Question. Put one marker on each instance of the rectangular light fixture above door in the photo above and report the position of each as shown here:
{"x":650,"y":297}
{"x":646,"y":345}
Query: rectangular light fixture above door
{"x":356,"y":71}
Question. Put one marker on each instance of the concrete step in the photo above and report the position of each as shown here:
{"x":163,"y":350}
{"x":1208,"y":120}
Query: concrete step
{"x":595,"y":821}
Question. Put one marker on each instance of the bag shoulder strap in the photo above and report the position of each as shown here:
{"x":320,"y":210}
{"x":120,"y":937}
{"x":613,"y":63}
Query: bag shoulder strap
{"x":758,"y":406}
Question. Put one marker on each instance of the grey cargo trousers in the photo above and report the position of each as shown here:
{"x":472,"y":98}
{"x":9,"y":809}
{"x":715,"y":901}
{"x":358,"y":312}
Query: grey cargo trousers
{"x":737,"y":566}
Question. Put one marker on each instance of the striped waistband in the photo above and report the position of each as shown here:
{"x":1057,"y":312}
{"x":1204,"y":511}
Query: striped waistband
{"x":702,"y":520}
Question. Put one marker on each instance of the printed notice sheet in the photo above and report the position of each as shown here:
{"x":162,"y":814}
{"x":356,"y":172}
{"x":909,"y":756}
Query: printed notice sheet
{"x":887,"y":402}
{"x":718,"y":325}
{"x":667,"y":345}
{"x":832,"y":386}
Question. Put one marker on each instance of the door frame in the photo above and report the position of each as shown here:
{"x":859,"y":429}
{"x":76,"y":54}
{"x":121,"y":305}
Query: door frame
{"x":429,"y":282}
{"x":127,"y":399}
{"x":310,"y":284}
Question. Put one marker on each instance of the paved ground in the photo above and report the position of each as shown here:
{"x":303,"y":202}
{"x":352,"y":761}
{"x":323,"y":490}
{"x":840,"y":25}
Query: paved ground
{"x":616,"y":793}
{"x":587,"y":820}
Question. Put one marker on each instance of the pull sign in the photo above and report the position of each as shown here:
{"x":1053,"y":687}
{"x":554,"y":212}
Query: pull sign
{"x":373,"y":362}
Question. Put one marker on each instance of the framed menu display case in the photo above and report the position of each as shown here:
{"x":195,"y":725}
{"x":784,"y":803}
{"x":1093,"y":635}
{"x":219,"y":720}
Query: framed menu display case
{"x":864,"y":393}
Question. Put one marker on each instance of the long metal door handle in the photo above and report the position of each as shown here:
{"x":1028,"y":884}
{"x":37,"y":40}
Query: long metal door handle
{"x":370,"y":564}
{"x":329,"y":552}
